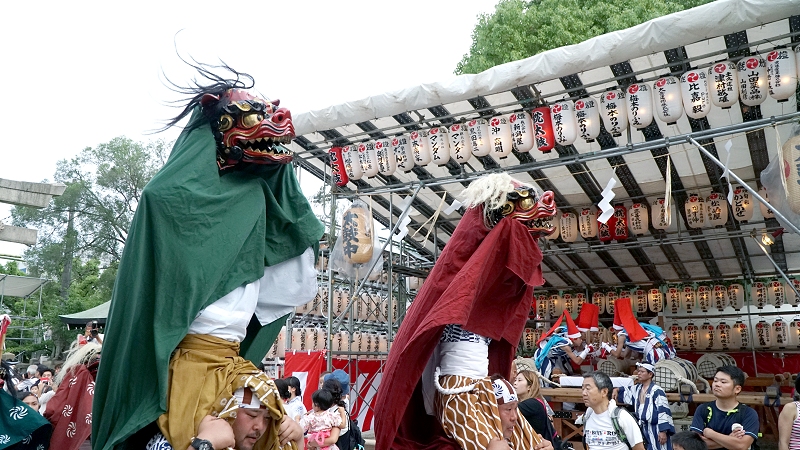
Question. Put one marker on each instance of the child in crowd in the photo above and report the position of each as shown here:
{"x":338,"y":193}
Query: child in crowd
{"x":688,"y":440}
{"x":323,"y":422}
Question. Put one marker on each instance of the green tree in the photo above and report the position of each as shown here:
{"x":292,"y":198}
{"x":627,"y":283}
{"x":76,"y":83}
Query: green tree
{"x":518,"y":29}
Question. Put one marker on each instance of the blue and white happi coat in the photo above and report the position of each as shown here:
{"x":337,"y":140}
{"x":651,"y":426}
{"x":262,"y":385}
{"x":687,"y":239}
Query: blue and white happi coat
{"x":653,"y":348}
{"x":550,"y":355}
{"x":653,"y":414}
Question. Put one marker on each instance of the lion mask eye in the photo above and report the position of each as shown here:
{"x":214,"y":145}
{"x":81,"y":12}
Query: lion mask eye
{"x":507,"y":208}
{"x":225,"y":122}
{"x":526,"y":204}
{"x":251,"y":120}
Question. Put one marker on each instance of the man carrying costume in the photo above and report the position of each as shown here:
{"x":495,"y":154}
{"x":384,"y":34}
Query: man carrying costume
{"x":221,"y":247}
{"x":649,"y":341}
{"x":465,"y":324}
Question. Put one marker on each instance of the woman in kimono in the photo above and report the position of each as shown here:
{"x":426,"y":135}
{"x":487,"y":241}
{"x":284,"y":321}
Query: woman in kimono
{"x":651,"y":408}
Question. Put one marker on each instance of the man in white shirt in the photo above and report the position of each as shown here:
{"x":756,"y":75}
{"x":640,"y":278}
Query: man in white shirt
{"x":599,"y":430}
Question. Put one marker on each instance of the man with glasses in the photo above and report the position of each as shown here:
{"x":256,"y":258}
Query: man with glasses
{"x":605,"y":426}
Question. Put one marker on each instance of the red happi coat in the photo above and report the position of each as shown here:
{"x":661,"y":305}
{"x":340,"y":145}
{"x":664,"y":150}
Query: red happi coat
{"x":483,"y":281}
{"x":70,"y":410}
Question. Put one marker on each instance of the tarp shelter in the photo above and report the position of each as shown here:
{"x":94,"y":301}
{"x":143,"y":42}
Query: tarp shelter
{"x":15,"y":286}
{"x":79,"y":319}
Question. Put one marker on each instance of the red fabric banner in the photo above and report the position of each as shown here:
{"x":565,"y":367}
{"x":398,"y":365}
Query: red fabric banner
{"x":767,"y":364}
{"x":306,"y":366}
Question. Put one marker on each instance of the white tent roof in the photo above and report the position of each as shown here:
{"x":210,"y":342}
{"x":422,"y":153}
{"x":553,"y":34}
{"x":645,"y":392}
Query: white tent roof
{"x":14,"y":286}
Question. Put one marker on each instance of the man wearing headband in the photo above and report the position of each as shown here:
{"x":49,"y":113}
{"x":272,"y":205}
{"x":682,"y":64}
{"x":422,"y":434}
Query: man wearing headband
{"x":244,"y":424}
{"x":651,"y":408}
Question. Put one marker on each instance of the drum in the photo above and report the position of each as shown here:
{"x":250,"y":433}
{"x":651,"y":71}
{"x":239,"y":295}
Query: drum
{"x":708,"y":364}
{"x":614,"y":367}
{"x":668,"y":371}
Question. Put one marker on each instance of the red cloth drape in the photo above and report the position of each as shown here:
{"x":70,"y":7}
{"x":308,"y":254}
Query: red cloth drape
{"x":70,"y":410}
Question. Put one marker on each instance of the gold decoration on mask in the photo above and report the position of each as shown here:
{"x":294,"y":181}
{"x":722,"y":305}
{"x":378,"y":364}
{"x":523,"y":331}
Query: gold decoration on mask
{"x":225,"y":122}
{"x":243,"y":105}
{"x":526,"y":204}
{"x":251,"y":120}
{"x":507,"y":208}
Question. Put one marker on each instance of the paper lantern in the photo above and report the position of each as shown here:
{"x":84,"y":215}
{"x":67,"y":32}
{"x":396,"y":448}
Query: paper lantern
{"x":541,"y":306}
{"x":740,"y":336}
{"x":614,"y":112}
{"x":637,"y":218}
{"x":500,"y":137}
{"x":736,"y":296}
{"x":383,"y":344}
{"x":661,"y":216}
{"x":555,"y":305}
{"x":720,"y":295}
{"x":793,"y":334}
{"x":322,"y":301}
{"x":387,"y":162}
{"x":753,"y":84}
{"x":522,"y":132}
{"x":459,"y":148}
{"x":667,"y":92}
{"x":568,"y":300}
{"x":695,"y":211}
{"x":439,"y":144}
{"x":673,"y":299}
{"x":691,"y":333}
{"x":599,"y":300}
{"x":529,"y":340}
{"x":704,"y":298}
{"x":403,"y":153}
{"x":565,"y":125}
{"x":580,"y":299}
{"x":480,"y":144}
{"x":694,"y":90}
{"x":298,"y":342}
{"x":758,"y":294}
{"x":340,"y":298}
{"x":588,"y":116}
{"x":765,"y":211}
{"x":716,"y":210}
{"x":677,"y":336}
{"x":604,"y":231}
{"x":420,"y":147}
{"x":619,"y":230}
{"x":639,"y":299}
{"x":640,"y":106}
{"x":352,"y":163}
{"x":587,"y":223}
{"x":305,"y":309}
{"x":280,"y":344}
{"x":782,"y":74}
{"x":742,"y":204}
{"x":723,"y":335}
{"x":689,"y":299}
{"x":723,"y":87}
{"x":369,"y":158}
{"x":780,"y":333}
{"x":763,"y":335}
{"x":655,"y":300}
{"x":705,"y":336}
{"x":776,"y":294}
{"x":791,"y":296}
{"x":611,"y":298}
{"x":568,"y":225}
{"x":791,"y":156}
{"x":543,"y":129}
{"x":338,"y":172}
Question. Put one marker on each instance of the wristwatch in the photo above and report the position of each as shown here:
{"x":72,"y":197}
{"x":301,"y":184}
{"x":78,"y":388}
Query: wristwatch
{"x":201,"y":444}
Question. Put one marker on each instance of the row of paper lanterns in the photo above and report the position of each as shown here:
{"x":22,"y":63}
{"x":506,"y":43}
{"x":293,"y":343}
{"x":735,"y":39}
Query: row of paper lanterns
{"x":711,"y":211}
{"x":315,"y":338}
{"x":703,"y":298}
{"x":750,"y":81}
{"x":775,"y":334}
{"x":369,"y":306}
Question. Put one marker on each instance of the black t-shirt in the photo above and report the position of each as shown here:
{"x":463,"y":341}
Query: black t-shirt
{"x":535,"y":414}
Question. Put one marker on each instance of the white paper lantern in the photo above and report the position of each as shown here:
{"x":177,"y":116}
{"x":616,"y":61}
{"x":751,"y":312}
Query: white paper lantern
{"x":716,"y":210}
{"x":667,"y":92}
{"x":655,"y":300}
{"x":352,"y":162}
{"x":369,"y":158}
{"x":340,"y":299}
{"x":736,"y":296}
{"x":611,"y":298}
{"x":568,"y":225}
{"x":677,"y":336}
{"x":763,"y":335}
{"x":720,"y":296}
{"x":792,"y":297}
{"x":587,"y":114}
{"x":673,"y":299}
{"x":782,"y":74}
{"x":403,"y":152}
{"x":793,"y":334}
{"x":705,"y":336}
{"x":637,"y":218}
{"x":614,"y":111}
{"x":694,"y":90}
{"x":541,"y":306}
{"x":753,"y":84}
{"x":459,"y":145}
{"x":529,"y":340}
{"x":500,"y":137}
{"x":661,"y":216}
{"x":565,"y":125}
{"x":742,"y":204}
{"x":280,"y":344}
{"x":387,"y":162}
{"x":555,"y":305}
{"x":439,"y":145}
{"x":580,"y":299}
{"x":599,"y":299}
{"x":765,"y":211}
{"x":322,"y":301}
{"x":588,"y":223}
{"x":695,"y":211}
{"x":740,"y":336}
{"x":640,"y":300}
{"x":522,"y":131}
{"x":480,"y":143}
{"x":692,"y":336}
{"x":758,"y":294}
{"x":723,"y":84}
{"x":776,"y":294}
{"x":780,"y":333}
{"x":689,"y":299}
{"x":723,"y":336}
{"x":420,"y":147}
{"x":298,"y":342}
{"x":704,"y":298}
{"x":304,"y":309}
{"x":640,"y":105}
{"x":568,"y":300}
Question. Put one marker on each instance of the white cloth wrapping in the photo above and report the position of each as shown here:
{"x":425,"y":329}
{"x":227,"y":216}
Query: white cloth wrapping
{"x":469,"y":359}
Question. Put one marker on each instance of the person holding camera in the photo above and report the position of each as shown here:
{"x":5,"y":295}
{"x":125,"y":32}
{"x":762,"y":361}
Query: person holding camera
{"x":91,"y":333}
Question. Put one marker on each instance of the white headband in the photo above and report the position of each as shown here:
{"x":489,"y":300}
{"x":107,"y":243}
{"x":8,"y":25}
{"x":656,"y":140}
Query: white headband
{"x":245,"y":398}
{"x":503,"y":391}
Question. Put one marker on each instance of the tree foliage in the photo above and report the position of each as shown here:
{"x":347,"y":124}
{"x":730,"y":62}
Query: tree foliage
{"x":518,"y":29}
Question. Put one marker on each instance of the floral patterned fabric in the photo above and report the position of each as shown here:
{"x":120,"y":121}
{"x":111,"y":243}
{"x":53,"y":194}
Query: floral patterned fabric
{"x":21,"y":427}
{"x":70,"y":411}
{"x":319,"y":424}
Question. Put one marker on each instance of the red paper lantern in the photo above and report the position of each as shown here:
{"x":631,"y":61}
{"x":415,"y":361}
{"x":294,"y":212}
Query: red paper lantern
{"x":604,"y":230}
{"x":337,"y":166}
{"x":620,"y":229}
{"x":543,"y":129}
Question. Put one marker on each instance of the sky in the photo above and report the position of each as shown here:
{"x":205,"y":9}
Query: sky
{"x":77,"y":76}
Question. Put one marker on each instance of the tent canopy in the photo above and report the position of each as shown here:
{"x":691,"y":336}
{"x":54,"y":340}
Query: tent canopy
{"x":671,"y":45}
{"x":79,"y":319}
{"x":15,"y":286}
